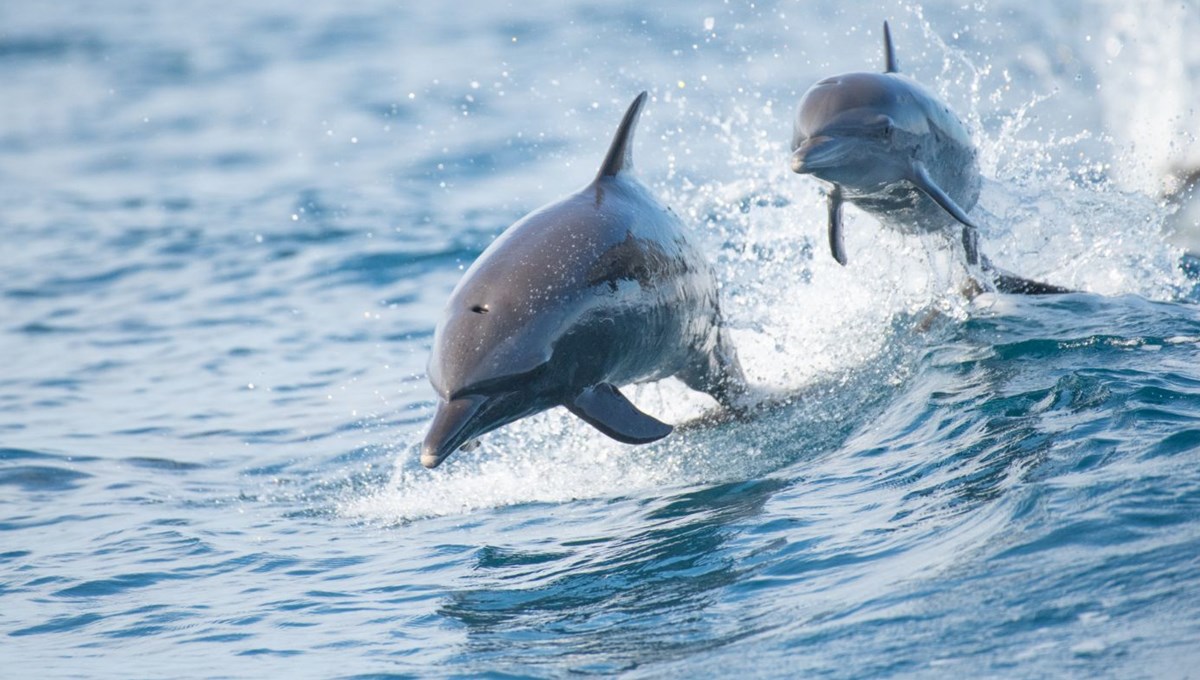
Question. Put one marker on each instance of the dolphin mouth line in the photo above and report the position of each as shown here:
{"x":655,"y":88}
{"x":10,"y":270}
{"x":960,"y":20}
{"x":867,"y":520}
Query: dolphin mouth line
{"x":455,"y":424}
{"x":817,"y":153}
{"x":460,"y":421}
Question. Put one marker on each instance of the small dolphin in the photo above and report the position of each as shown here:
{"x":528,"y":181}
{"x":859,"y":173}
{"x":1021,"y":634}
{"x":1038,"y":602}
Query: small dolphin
{"x":598,"y":290}
{"x":891,"y":147}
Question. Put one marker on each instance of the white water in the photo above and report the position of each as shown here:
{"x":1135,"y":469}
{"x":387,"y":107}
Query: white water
{"x":799,"y":319}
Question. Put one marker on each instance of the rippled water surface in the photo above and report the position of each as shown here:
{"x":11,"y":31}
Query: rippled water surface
{"x":228,"y":233}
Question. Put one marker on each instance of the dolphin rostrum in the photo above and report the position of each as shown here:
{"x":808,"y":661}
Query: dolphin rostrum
{"x":578,"y":298}
{"x":885,"y":143}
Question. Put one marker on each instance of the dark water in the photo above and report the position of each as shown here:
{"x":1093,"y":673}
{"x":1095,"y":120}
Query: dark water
{"x":228,"y":232}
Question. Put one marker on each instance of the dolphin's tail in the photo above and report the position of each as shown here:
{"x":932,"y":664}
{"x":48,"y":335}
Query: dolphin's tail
{"x":719,"y":373}
{"x":1007,"y":282}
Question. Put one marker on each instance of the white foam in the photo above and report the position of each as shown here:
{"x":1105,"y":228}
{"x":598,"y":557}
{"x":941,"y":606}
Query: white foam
{"x":549,"y":458}
{"x":1146,"y":64}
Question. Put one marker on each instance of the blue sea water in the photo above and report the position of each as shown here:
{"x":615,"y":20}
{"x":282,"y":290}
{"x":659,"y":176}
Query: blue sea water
{"x":228,"y":231}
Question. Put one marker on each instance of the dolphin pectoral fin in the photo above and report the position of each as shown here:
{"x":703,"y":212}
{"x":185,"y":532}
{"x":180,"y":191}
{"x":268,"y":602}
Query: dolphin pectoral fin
{"x":836,"y":243}
{"x":921,"y":179}
{"x":607,"y":410}
{"x":970,"y":235}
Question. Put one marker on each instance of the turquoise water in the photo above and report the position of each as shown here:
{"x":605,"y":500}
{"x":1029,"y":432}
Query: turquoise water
{"x":229,"y":231}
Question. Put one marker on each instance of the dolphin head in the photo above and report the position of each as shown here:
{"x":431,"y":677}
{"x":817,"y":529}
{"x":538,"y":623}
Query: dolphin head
{"x":461,"y":419}
{"x":857,"y":130}
{"x":467,"y":411}
{"x":501,"y":335}
{"x":488,"y":362}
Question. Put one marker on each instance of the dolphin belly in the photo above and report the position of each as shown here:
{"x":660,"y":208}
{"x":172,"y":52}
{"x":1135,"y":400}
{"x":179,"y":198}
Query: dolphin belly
{"x":901,"y":207}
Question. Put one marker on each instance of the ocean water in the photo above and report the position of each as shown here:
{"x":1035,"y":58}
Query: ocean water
{"x":228,"y":231}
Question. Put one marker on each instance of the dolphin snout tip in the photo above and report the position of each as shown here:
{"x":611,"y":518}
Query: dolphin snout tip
{"x":808,"y":156}
{"x":434,"y":450}
{"x":798,"y":162}
{"x":432,"y":454}
{"x":455,"y":425}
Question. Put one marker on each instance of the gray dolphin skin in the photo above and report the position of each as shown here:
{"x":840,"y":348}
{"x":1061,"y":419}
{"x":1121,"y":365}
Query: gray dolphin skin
{"x":593,"y":292}
{"x":888,"y":145}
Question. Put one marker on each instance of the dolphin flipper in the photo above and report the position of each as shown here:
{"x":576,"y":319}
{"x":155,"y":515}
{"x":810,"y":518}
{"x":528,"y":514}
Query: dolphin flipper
{"x":921,"y":179}
{"x":836,"y":242}
{"x":604,"y":407}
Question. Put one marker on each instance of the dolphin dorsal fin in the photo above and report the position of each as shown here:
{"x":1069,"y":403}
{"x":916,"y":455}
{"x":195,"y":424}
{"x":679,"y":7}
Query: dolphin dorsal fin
{"x":620,"y":154}
{"x":889,"y":52}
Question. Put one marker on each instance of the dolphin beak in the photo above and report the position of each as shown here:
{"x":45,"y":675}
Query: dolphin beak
{"x":815,"y":153}
{"x":455,"y":424}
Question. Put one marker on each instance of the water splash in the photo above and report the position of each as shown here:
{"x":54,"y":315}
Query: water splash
{"x":801,"y":322}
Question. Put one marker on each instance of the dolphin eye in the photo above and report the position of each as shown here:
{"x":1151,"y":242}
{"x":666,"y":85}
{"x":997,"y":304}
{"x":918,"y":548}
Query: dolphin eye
{"x":887,"y":130}
{"x":480,"y":309}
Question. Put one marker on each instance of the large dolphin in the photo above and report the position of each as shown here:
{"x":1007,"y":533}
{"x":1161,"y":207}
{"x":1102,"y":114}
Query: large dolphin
{"x":598,"y":290}
{"x":891,"y":147}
